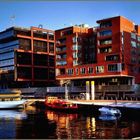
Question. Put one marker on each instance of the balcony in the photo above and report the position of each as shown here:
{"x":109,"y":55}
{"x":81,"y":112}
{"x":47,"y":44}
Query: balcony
{"x":40,"y":34}
{"x":105,"y":50}
{"x":105,"y":42}
{"x":61,"y":63}
{"x":112,"y":58}
{"x":104,"y":34}
{"x":63,"y":56}
{"x":105,"y":24}
{"x":51,"y":47}
{"x":61,"y":50}
{"x":61,"y":42}
{"x":51,"y":36}
{"x":114,"y":88}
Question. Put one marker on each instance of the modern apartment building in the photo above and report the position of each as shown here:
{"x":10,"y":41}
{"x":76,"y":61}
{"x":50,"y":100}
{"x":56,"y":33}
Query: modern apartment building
{"x":27,"y":57}
{"x":111,"y":55}
{"x":75,"y":47}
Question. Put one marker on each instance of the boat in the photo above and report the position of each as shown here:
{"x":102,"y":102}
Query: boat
{"x":60,"y":104}
{"x":109,"y":111}
{"x":11,"y":104}
{"x":11,"y":100}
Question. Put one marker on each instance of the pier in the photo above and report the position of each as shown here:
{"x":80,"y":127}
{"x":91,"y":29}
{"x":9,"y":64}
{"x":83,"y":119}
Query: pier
{"x":110,"y":103}
{"x":33,"y":101}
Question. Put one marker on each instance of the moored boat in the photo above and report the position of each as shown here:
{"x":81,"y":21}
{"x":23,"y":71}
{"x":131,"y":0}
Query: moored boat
{"x":11,"y":104}
{"x":109,"y":111}
{"x":11,"y":100}
{"x":60,"y":104}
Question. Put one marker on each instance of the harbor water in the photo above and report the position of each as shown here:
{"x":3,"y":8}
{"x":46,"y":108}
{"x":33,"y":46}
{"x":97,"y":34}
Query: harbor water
{"x":45,"y":124}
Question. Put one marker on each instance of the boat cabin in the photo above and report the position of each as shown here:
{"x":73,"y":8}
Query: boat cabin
{"x":10,"y":96}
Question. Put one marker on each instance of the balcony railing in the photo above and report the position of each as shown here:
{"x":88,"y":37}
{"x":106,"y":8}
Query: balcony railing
{"x":110,"y":88}
{"x":114,"y":88}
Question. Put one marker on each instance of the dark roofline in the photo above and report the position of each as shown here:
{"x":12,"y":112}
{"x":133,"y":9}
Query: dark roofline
{"x":64,"y":28}
{"x":15,"y":28}
{"x":106,"y":19}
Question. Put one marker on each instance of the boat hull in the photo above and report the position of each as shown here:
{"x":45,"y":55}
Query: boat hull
{"x":69,"y":109}
{"x":11,"y":104}
{"x":61,"y":105}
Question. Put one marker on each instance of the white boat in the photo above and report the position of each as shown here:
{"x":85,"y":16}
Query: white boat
{"x":109,"y":111}
{"x":10,"y":99}
{"x":11,"y":104}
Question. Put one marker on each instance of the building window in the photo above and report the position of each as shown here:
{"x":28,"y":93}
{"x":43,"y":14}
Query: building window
{"x":82,"y":70}
{"x":106,"y":24}
{"x":122,"y":40}
{"x":99,"y":69}
{"x":75,"y":55}
{"x":133,"y":35}
{"x":113,"y":67}
{"x":105,"y":50}
{"x":133,"y":60}
{"x":106,"y":33}
{"x":75,"y":62}
{"x":138,"y":45}
{"x":112,"y":58}
{"x":76,"y":47}
{"x":133,"y":52}
{"x":133,"y":44}
{"x":70,"y":71}
{"x":74,"y":39}
{"x":66,"y":32}
{"x":77,"y":71}
{"x":90,"y":70}
{"x":61,"y":63}
{"x":106,"y":42}
{"x":138,"y":38}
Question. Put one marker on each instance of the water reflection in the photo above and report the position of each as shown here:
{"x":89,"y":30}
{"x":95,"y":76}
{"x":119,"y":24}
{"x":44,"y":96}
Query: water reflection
{"x":64,"y":122}
{"x":9,"y":119}
{"x":38,"y":124}
{"x":78,"y":126}
{"x":12,"y":114}
{"x":109,"y":117}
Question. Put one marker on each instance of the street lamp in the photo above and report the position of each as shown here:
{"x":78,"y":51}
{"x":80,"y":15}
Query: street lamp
{"x":66,"y":83}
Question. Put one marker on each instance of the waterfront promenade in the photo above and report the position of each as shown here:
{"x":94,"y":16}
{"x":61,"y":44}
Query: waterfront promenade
{"x":111,"y":103}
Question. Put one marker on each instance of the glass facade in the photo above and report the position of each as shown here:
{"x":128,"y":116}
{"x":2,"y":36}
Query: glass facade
{"x":6,"y":62}
{"x":6,"y":55}
{"x":7,"y":34}
{"x":7,"y":52}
